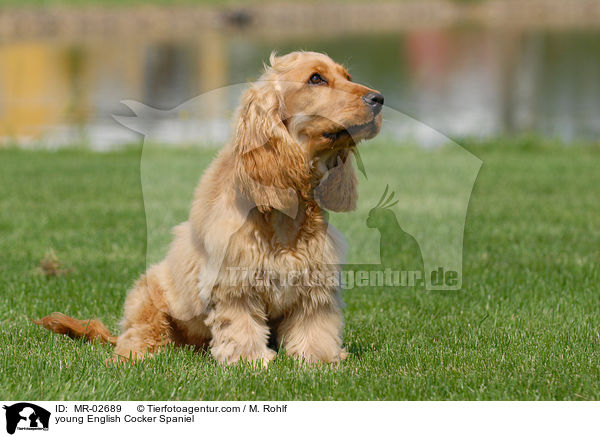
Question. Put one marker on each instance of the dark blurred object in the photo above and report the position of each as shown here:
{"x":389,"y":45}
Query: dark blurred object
{"x":239,"y":18}
{"x":51,"y":266}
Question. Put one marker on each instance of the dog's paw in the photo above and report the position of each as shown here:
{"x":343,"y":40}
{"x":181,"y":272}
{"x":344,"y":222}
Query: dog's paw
{"x":260,"y":360}
{"x":310,"y":358}
{"x":265,"y":358}
{"x":256,"y":359}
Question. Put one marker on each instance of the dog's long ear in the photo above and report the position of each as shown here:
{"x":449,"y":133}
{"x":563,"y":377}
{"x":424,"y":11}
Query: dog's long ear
{"x":270,"y":166}
{"x":338,"y":189}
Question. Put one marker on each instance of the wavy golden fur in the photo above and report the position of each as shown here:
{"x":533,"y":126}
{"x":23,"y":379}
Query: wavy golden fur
{"x":259,"y":208}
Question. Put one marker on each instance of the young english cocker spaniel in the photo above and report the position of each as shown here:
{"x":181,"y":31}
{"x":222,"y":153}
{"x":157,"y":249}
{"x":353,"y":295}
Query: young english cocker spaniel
{"x":259,"y":210}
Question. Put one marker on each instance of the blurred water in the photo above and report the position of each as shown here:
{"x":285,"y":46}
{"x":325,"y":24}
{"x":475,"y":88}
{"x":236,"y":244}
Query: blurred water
{"x":462,"y":82}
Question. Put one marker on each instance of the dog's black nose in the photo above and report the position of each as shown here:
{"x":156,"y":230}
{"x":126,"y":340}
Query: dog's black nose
{"x":375,"y":101}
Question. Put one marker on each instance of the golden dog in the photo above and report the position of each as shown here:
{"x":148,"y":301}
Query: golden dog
{"x":259,"y":208}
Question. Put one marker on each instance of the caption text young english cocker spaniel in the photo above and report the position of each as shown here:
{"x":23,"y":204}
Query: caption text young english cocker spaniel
{"x":259,"y":209}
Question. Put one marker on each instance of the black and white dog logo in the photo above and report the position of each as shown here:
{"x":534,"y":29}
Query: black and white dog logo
{"x":25,"y":416}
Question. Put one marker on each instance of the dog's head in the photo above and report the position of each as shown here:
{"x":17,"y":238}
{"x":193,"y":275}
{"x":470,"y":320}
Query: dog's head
{"x":296,"y":129}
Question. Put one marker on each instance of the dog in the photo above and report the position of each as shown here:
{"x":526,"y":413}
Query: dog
{"x":260,"y":207}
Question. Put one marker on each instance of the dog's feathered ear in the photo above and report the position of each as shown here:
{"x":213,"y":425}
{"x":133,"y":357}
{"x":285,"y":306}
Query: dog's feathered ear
{"x":270,"y":165}
{"x":338,"y":189}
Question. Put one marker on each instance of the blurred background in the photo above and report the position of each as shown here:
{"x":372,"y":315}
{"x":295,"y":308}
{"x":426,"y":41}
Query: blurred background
{"x":465,"y":68}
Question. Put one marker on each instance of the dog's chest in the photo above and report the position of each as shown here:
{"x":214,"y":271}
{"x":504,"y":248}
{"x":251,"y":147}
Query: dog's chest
{"x":288,"y":263}
{"x":286,"y":277}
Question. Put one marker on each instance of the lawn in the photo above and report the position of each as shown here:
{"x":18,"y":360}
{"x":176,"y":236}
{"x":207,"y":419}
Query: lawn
{"x":524,"y":326}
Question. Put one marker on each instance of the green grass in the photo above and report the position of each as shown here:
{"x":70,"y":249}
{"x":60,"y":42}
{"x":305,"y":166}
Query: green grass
{"x":525,"y":325}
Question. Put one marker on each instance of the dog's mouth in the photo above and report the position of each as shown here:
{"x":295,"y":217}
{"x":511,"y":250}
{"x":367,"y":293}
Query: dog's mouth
{"x":352,"y":134}
{"x":340,"y":157}
{"x":345,"y":140}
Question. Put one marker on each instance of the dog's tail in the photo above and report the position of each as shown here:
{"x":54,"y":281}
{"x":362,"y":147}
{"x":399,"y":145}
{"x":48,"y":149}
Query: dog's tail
{"x":74,"y":328}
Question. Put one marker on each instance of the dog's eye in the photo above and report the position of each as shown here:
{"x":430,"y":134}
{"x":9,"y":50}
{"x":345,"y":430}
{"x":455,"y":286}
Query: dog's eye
{"x":317,"y":79}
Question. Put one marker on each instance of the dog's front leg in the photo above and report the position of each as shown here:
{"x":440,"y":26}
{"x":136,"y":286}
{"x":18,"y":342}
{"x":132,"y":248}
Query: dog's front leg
{"x":239,"y":331}
{"x":314,"y":332}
